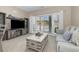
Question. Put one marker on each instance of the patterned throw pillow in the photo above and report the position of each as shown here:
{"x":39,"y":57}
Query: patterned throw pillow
{"x":67,"y":35}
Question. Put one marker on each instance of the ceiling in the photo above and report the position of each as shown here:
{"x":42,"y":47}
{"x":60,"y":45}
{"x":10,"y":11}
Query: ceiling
{"x":30,"y":8}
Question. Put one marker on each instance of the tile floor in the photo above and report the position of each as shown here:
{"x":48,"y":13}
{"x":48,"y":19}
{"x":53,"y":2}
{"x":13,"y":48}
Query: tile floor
{"x":18,"y":44}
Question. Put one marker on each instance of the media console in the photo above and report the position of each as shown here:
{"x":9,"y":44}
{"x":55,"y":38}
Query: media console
{"x":16,"y":33}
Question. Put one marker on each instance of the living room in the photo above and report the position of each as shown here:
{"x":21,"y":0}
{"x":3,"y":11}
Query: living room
{"x":40,"y":30}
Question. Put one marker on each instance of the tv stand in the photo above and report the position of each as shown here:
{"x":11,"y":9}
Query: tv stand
{"x":16,"y":32}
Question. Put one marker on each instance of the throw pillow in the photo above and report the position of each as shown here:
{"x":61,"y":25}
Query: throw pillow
{"x":67,"y":35}
{"x":75,"y":38}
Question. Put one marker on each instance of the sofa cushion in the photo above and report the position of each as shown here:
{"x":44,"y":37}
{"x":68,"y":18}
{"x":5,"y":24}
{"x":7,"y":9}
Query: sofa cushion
{"x":67,"y":35}
{"x":75,"y":38}
{"x":67,"y":47}
{"x":60,"y":38}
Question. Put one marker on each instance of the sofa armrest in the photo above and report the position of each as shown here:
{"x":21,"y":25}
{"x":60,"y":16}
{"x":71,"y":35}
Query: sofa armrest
{"x":60,"y":31}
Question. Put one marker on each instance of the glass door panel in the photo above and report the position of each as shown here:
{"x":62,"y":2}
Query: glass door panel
{"x":45,"y":23}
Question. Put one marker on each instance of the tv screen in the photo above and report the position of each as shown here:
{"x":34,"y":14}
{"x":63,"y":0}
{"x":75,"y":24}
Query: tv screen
{"x":16,"y":24}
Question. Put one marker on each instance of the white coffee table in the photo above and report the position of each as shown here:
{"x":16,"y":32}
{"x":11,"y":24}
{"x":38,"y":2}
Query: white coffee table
{"x":37,"y":43}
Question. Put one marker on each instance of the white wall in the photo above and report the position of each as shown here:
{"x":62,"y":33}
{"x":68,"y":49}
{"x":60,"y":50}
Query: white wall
{"x":75,"y":16}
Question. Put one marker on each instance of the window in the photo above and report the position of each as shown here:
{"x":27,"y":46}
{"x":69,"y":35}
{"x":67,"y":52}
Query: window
{"x":2,"y":18}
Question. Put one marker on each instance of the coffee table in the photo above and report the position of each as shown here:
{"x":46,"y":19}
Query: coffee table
{"x":37,"y":43}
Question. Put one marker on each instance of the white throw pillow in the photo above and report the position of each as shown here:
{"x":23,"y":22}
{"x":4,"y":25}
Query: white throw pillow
{"x":72,"y":29}
{"x":75,"y":38}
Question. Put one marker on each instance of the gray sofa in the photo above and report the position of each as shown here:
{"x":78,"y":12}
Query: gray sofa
{"x":64,"y":45}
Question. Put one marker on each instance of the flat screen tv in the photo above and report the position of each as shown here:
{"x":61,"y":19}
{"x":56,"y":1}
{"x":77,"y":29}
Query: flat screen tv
{"x":16,"y":24}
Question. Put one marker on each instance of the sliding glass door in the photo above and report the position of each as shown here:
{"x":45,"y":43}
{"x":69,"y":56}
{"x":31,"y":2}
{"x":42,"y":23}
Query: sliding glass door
{"x":40,"y":24}
{"x":47,"y":23}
